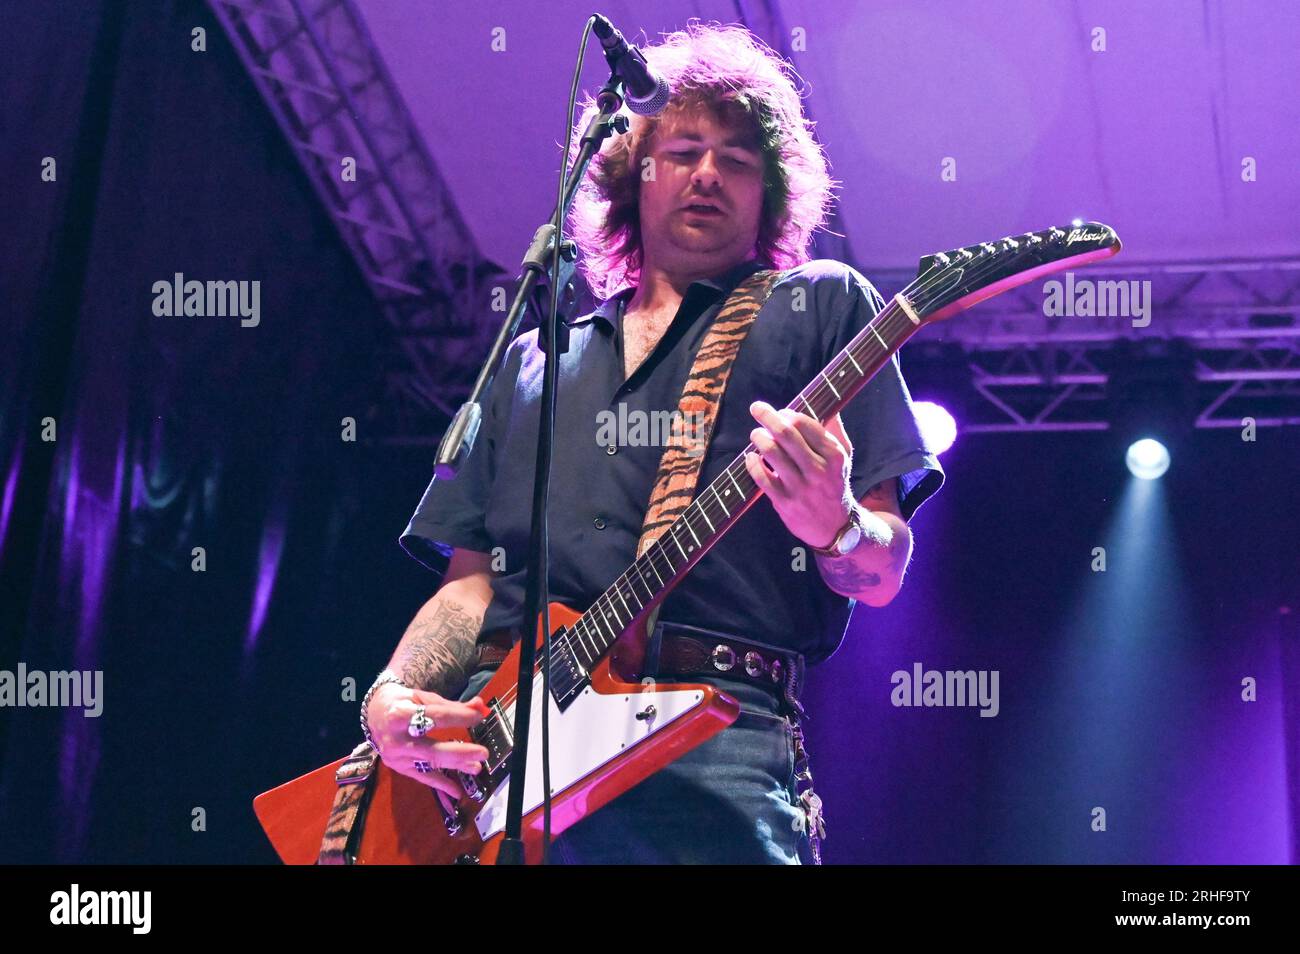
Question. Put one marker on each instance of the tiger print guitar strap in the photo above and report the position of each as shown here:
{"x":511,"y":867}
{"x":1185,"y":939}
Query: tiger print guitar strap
{"x":692,"y":426}
{"x":679,"y":472}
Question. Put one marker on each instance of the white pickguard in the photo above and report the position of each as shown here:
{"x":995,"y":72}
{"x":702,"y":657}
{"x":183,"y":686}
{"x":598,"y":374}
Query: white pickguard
{"x":596,"y":729}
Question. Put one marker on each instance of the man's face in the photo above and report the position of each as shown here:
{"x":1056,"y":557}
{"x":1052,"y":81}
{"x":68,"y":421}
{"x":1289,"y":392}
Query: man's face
{"x":696,"y":160}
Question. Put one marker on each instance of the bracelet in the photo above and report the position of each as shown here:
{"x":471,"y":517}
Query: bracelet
{"x":383,"y":678}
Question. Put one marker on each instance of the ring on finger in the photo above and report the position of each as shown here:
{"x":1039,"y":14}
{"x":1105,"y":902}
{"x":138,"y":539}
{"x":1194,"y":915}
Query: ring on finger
{"x":420,"y":724}
{"x":423,"y":767}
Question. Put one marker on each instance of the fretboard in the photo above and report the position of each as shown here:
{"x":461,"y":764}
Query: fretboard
{"x":715,"y":508}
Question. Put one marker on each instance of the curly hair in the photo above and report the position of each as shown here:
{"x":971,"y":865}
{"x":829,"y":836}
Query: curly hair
{"x":746,"y":85}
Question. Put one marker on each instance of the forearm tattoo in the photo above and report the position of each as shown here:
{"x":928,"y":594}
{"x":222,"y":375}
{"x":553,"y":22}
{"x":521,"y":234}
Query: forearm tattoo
{"x":439,"y":648}
{"x":841,"y":574}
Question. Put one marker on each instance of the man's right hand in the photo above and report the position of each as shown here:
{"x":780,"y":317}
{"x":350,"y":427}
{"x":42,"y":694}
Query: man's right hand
{"x":389,"y":717}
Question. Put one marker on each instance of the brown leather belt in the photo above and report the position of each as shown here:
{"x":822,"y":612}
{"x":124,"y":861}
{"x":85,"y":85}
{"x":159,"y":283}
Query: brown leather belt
{"x":693,"y":651}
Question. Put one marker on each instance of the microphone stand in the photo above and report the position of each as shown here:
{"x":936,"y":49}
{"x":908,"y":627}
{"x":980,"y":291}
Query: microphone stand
{"x":553,"y":338}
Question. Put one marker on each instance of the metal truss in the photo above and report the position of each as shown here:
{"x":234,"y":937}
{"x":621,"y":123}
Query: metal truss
{"x":325,"y":83}
{"x":1236,"y":322}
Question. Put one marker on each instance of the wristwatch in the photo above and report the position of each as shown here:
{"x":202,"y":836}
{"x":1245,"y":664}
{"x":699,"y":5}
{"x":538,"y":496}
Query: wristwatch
{"x":847,"y":539}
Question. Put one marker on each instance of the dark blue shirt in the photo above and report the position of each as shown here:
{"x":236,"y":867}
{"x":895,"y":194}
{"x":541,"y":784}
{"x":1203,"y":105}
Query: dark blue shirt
{"x":754,"y":583}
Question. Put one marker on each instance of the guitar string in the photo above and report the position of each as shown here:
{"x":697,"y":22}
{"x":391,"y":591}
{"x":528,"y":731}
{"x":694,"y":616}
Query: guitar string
{"x":566,"y":640}
{"x":819,"y":387}
{"x":914,"y":292}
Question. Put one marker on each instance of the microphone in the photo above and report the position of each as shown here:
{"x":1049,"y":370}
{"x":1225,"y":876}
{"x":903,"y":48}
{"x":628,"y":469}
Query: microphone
{"x":647,"y":91}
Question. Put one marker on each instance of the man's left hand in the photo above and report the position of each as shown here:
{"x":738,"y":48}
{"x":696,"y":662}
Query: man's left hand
{"x":803,"y":467}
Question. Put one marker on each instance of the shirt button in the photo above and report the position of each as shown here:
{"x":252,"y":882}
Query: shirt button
{"x":611,"y":450}
{"x":599,"y":523}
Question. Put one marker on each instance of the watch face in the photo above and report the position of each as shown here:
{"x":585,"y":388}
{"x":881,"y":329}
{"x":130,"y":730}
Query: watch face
{"x":850,"y":539}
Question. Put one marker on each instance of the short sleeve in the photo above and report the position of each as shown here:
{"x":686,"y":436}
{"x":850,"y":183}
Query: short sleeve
{"x":453,"y":512}
{"x":880,"y":419}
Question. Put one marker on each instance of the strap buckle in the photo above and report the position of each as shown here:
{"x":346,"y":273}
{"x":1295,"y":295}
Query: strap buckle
{"x":358,"y":766}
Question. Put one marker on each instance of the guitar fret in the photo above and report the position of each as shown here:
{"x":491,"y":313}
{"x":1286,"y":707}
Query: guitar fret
{"x":679,"y":546}
{"x":720,"y":503}
{"x":583,"y":637}
{"x":619,"y":593}
{"x":654,"y":570}
{"x":704,"y":513}
{"x":873,"y":330}
{"x":649,"y":591}
{"x":809,"y":408}
{"x":611,"y":613}
{"x":601,"y":620}
{"x":831,"y":386}
{"x":690,"y":530}
{"x":849,"y":351}
{"x":733,"y":481}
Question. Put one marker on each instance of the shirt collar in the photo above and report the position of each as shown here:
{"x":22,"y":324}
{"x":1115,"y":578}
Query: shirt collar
{"x":723,"y":283}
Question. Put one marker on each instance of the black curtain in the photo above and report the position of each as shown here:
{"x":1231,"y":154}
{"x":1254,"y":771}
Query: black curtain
{"x":176,"y":433}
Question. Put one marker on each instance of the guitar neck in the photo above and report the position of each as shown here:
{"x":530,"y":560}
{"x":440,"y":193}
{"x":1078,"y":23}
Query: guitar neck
{"x":719,"y":505}
{"x":948,"y":282}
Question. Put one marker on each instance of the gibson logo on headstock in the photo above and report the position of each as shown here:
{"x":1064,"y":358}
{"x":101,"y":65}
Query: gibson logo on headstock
{"x":1085,"y":235}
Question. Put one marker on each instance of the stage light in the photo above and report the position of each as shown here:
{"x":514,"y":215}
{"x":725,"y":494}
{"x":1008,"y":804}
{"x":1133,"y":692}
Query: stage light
{"x":1076,"y":222}
{"x":1152,"y":391}
{"x":1147,"y":459}
{"x":938,"y":429}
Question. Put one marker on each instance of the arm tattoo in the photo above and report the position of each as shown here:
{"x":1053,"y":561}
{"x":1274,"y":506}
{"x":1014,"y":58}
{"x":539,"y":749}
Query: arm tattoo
{"x":440,"y":649}
{"x":842,"y":574}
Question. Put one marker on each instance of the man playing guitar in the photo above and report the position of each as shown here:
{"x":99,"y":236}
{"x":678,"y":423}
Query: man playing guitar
{"x":727,"y":181}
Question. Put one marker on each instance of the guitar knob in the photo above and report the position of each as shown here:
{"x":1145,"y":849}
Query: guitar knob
{"x":649,"y":712}
{"x":450,"y":820}
{"x":471,"y":787}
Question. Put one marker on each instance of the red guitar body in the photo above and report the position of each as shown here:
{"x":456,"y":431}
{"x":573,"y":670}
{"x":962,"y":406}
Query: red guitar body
{"x":604,"y":741}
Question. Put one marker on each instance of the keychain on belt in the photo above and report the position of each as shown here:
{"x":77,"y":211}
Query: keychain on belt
{"x":809,"y":800}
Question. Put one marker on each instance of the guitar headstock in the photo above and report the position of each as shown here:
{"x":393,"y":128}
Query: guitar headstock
{"x":952,"y":281}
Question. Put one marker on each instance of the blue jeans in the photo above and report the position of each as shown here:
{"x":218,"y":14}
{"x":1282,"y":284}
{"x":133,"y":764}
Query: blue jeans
{"x":730,"y":800}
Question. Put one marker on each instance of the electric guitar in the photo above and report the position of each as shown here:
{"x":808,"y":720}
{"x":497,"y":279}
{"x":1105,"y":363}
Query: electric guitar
{"x":608,"y":730}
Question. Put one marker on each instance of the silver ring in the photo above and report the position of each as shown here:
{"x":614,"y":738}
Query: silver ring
{"x":423,"y":767}
{"x":420,"y":724}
